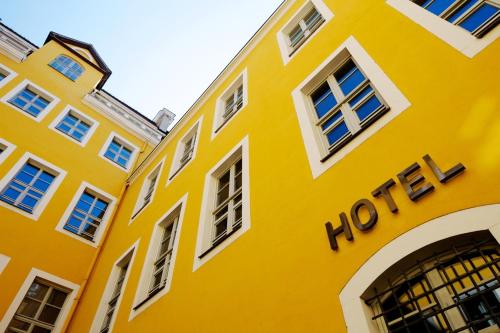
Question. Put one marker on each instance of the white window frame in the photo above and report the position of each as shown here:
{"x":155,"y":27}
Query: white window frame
{"x":123,"y":141}
{"x":4,"y":260}
{"x":139,"y":205}
{"x":9,"y":75}
{"x":457,"y":37}
{"x":36,"y":273}
{"x":177,"y":165}
{"x":204,"y":240}
{"x":66,"y":69}
{"x":8,"y":149}
{"x":287,"y":51}
{"x":59,"y":176}
{"x":53,"y":100}
{"x":313,"y":139}
{"x":79,"y":114}
{"x":178,"y":209}
{"x":104,"y":222}
{"x":219,"y":122}
{"x":128,"y":255}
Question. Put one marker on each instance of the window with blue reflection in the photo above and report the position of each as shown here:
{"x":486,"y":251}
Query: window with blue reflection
{"x":475,"y":16}
{"x":73,"y":126}
{"x":337,"y":133}
{"x":87,"y":216}
{"x":349,"y":77}
{"x":118,"y":153}
{"x":484,"y":13}
{"x":29,"y":101}
{"x":67,"y":66}
{"x":323,"y":99}
{"x":347,"y":95}
{"x":27,"y":188}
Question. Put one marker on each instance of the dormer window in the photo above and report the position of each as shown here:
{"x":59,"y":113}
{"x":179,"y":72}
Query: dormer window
{"x":67,"y":67}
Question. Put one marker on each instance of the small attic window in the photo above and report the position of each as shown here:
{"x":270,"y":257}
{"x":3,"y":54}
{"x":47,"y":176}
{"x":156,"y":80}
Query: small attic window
{"x":67,"y":67}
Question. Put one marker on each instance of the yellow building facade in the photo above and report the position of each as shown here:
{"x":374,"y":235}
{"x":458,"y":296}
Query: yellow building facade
{"x":340,"y":175}
{"x":58,"y":139}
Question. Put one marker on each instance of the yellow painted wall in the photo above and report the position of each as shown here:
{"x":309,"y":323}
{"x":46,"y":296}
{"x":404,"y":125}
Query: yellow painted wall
{"x":281,"y":276}
{"x":37,"y":244}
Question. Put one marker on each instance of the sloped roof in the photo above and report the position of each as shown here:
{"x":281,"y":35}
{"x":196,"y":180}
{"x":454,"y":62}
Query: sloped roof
{"x":66,"y":42}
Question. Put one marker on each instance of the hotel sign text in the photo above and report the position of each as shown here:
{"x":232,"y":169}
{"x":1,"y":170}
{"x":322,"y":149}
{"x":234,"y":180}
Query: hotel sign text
{"x":415,"y":186}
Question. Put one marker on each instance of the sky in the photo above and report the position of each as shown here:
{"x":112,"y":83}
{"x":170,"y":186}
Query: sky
{"x":163,"y":53}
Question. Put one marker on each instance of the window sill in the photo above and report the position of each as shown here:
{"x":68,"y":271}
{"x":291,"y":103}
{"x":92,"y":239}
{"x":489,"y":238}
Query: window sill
{"x":80,"y":236}
{"x":334,"y":149}
{"x":179,"y":169}
{"x":226,"y":120}
{"x":17,"y":207}
{"x":297,"y":46}
{"x":147,"y":299}
{"x":139,"y":211}
{"x":220,"y":240}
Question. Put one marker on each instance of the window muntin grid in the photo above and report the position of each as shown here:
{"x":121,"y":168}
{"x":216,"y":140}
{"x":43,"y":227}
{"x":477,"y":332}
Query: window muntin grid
{"x":39,"y":310}
{"x":345,"y":104}
{"x":306,"y":26}
{"x":150,"y":190}
{"x":27,"y":187}
{"x":476,"y":16}
{"x":74,"y":126}
{"x":148,"y":194}
{"x":228,"y":211}
{"x":117,"y":290}
{"x":87,"y":216}
{"x":118,"y":153}
{"x":457,"y":290}
{"x":188,"y":150}
{"x":29,"y":101}
{"x":233,"y":103}
{"x":161,"y":265}
{"x":67,"y":66}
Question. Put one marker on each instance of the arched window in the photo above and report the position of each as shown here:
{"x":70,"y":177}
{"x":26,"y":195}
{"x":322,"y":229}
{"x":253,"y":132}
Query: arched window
{"x":67,"y":66}
{"x":449,"y":286}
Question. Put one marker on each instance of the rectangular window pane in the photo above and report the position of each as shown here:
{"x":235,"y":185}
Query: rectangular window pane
{"x":438,"y":6}
{"x":349,"y":77}
{"x":162,"y":264}
{"x":481,"y":15}
{"x":86,"y":216}
{"x":27,"y":188}
{"x":343,"y":102}
{"x":117,"y":290}
{"x":337,"y":133}
{"x":118,"y":153}
{"x":41,"y":306}
{"x":73,"y":126}
{"x":227,"y":213}
{"x":30,"y":102}
{"x":476,"y":17}
{"x":368,"y":107}
{"x":461,"y":10}
{"x":323,"y":100}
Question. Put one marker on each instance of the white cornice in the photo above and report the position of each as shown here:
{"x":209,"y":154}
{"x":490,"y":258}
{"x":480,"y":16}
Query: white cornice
{"x":13,"y":46}
{"x":125,"y":117}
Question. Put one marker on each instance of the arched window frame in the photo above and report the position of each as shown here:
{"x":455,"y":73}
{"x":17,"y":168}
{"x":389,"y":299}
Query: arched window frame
{"x":357,"y":314}
{"x":67,"y":67}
